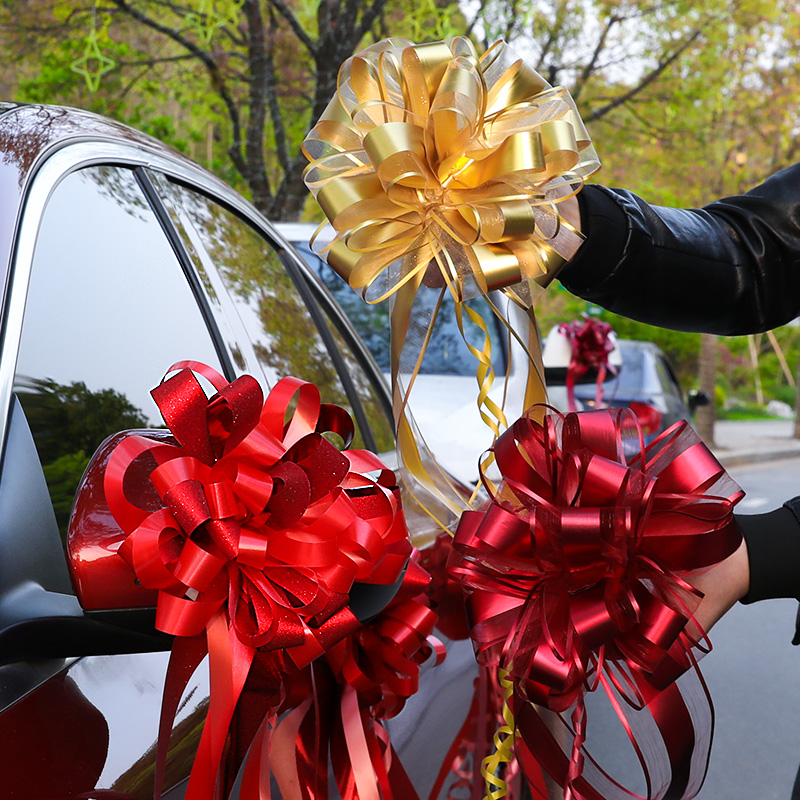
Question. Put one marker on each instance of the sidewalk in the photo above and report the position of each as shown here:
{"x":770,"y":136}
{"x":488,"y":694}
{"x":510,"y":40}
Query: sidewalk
{"x":740,"y":442}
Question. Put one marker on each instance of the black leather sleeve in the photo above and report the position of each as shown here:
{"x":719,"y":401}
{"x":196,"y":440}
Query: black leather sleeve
{"x":732,"y":267}
{"x":773,"y":550}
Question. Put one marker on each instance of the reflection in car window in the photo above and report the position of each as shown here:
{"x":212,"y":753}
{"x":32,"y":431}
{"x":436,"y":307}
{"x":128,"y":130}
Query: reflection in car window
{"x":284,"y":336}
{"x":446,"y":353}
{"x":108,"y":311}
{"x":379,"y":422}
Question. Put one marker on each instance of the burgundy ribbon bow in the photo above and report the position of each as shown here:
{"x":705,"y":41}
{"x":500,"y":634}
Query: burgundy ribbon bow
{"x":574,"y":571}
{"x":257,"y":529}
{"x":591,"y":344}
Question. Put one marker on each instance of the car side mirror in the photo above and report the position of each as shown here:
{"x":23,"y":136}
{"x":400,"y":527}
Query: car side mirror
{"x":40,"y":616}
{"x":696,"y":398}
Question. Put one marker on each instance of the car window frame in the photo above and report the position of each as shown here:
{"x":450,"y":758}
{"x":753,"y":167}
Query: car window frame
{"x":72,"y":156}
{"x":320,"y":304}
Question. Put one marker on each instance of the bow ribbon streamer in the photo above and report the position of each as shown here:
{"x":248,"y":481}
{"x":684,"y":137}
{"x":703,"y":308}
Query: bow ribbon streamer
{"x":252,"y":527}
{"x":441,"y":171}
{"x":364,"y":679}
{"x":576,"y":579}
{"x":591,"y":343}
{"x":431,"y":154}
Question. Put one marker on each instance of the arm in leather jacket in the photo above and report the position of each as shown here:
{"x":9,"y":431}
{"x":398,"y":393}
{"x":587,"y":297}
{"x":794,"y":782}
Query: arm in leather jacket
{"x":732,"y":267}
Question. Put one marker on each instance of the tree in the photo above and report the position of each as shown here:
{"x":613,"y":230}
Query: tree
{"x":270,"y":65}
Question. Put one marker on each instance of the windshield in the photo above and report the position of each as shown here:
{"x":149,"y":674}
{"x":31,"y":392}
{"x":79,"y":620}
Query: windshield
{"x":446,"y":354}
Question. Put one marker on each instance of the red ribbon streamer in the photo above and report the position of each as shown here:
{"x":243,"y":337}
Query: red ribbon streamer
{"x":574,"y":575}
{"x":591,"y":344}
{"x":258,"y":531}
{"x":363,"y":679}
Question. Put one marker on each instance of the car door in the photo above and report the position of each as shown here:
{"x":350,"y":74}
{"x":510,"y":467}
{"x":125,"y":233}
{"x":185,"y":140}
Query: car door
{"x":107,"y":289}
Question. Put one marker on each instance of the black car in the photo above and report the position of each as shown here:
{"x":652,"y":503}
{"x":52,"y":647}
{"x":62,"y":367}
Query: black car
{"x":120,"y":257}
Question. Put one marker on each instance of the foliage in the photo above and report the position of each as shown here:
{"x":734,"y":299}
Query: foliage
{"x":685,"y":101}
{"x":68,"y":422}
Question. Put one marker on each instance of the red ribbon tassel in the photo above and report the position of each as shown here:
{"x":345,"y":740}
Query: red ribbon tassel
{"x":575,"y":572}
{"x":258,"y":531}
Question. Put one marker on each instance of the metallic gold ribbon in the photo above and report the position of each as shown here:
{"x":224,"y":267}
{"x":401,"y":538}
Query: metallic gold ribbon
{"x":441,"y":169}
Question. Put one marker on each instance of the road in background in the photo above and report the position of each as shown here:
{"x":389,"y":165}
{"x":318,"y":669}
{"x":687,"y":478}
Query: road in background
{"x":754,"y":673}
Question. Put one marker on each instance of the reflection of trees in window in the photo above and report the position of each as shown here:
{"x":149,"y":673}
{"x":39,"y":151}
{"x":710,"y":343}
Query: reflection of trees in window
{"x":285,"y":338}
{"x":119,"y":186}
{"x":68,"y":423}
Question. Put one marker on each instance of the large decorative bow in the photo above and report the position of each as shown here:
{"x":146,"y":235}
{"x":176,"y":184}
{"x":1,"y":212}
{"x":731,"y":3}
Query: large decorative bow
{"x":253,"y":530}
{"x":441,"y":169}
{"x":576,"y":577}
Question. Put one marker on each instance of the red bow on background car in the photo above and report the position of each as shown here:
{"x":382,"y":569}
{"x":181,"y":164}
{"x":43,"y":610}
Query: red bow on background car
{"x":591,"y":343}
{"x":258,"y":532}
{"x":574,"y":573}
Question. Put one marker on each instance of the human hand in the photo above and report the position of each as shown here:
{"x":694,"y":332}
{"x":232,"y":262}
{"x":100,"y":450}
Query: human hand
{"x":723,"y":585}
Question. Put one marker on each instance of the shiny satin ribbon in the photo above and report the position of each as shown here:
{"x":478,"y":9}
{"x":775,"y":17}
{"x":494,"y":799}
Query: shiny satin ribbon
{"x":591,"y":344}
{"x":363,"y":679}
{"x":576,"y":573}
{"x":253,"y":527}
{"x":441,"y":170}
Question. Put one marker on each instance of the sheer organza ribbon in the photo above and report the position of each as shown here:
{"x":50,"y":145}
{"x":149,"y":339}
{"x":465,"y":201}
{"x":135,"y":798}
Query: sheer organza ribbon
{"x":576,"y":573}
{"x":254,"y":534}
{"x":363,"y":680}
{"x":440,"y":170}
{"x":591,"y":343}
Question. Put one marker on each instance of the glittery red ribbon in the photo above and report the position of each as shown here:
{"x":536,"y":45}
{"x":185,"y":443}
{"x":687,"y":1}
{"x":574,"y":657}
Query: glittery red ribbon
{"x":363,"y":679}
{"x":591,"y":344}
{"x":255,"y":533}
{"x":575,"y":578}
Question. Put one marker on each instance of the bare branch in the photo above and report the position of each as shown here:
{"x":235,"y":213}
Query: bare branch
{"x":646,"y":80}
{"x":295,"y":25}
{"x":368,"y":17}
{"x":478,"y":15}
{"x":591,"y":64}
{"x":215,"y":74}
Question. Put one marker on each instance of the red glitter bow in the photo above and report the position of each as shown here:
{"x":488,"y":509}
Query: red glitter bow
{"x":574,"y":571}
{"x":257,"y":530}
{"x":591,"y":344}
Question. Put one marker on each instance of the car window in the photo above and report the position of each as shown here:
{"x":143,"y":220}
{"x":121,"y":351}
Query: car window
{"x":380,"y":424}
{"x":108,"y":310}
{"x":284,"y":336}
{"x":446,"y":353}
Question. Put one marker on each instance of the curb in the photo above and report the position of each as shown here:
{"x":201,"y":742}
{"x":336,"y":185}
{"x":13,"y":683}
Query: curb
{"x":739,"y":458}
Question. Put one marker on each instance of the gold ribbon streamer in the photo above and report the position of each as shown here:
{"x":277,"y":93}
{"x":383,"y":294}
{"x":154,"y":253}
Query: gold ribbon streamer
{"x":437,"y":166}
{"x":496,"y":787}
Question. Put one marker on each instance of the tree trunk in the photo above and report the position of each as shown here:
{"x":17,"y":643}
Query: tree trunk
{"x":707,"y":415}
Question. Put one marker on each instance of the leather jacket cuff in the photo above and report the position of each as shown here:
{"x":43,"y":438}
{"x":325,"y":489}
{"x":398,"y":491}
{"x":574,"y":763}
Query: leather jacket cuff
{"x":773,"y":550}
{"x":605,"y":226}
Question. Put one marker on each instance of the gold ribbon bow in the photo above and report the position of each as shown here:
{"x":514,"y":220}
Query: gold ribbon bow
{"x":435,"y":165}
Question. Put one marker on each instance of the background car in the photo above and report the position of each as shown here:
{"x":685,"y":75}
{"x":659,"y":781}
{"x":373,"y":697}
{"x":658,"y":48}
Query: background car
{"x":647,"y":385}
{"x":120,"y":257}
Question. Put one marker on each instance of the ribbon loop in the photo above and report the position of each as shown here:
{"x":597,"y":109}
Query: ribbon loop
{"x":573,"y":575}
